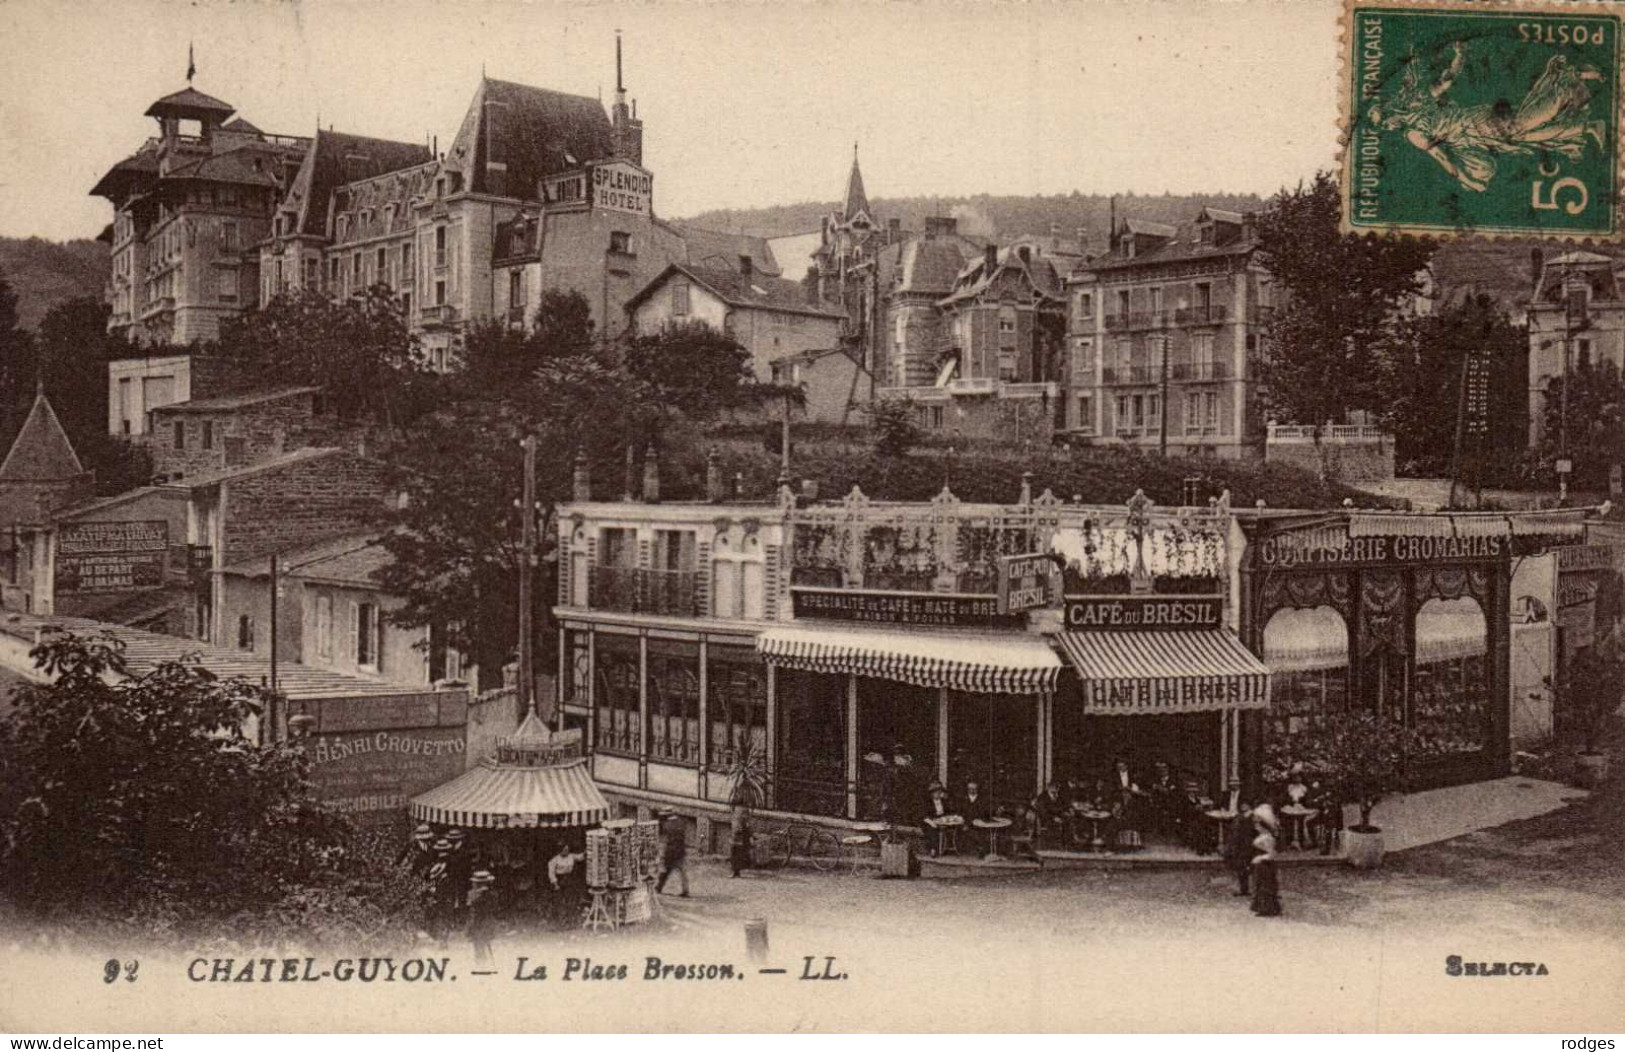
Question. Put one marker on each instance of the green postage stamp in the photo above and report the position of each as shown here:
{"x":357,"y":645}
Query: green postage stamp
{"x":1487,"y":119}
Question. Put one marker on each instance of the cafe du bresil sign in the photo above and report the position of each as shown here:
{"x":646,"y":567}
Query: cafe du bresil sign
{"x":622,"y":187}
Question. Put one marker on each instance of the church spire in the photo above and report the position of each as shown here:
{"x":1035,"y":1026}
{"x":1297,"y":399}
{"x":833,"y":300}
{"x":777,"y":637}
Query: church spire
{"x":856,"y":200}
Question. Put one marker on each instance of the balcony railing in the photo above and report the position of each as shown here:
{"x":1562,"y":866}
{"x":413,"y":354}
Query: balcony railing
{"x":972,"y":386}
{"x":1116,"y":322}
{"x":443,"y":313}
{"x":1132,"y":374}
{"x":1213,"y":314}
{"x":635,"y":591}
{"x":1198,"y":371}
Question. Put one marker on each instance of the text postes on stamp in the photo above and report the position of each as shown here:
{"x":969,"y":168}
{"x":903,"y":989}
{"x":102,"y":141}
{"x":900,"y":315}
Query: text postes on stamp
{"x":1479,"y":119}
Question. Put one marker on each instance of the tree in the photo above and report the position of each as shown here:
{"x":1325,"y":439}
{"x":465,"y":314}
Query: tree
{"x":1591,"y":689}
{"x":456,"y":542}
{"x":16,"y":360}
{"x":1423,"y":359}
{"x":501,"y":358}
{"x":1360,"y":755}
{"x":359,"y":351}
{"x":894,"y":427}
{"x":1323,"y":344}
{"x":1596,"y":423}
{"x":145,"y":794}
{"x":691,"y":367}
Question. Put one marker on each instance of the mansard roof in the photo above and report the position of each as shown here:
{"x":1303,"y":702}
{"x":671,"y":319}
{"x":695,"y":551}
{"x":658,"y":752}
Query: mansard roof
{"x":530,"y":132}
{"x":337,"y":158}
{"x":41,"y":451}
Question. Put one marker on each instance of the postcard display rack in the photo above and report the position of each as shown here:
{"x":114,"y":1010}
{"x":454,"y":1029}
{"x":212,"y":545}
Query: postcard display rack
{"x":623,"y":863}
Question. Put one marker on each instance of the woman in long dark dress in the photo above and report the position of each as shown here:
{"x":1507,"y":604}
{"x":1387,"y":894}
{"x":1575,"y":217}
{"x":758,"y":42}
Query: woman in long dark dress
{"x":1266,"y":881}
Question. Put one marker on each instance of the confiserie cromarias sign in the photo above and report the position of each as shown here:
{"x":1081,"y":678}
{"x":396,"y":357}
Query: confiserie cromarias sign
{"x":1333,"y":548}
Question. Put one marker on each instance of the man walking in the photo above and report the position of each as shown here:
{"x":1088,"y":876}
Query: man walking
{"x":675,"y":855}
{"x":1239,"y":848}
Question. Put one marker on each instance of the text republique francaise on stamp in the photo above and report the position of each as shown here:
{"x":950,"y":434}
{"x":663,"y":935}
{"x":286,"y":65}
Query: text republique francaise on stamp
{"x":1487,"y":119}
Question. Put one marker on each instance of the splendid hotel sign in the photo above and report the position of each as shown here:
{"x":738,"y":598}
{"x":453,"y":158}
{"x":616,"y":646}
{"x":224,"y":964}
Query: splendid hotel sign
{"x":622,"y":187}
{"x":1336,"y":549}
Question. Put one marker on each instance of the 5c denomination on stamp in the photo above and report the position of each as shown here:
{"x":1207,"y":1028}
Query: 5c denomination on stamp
{"x":1481,"y":119}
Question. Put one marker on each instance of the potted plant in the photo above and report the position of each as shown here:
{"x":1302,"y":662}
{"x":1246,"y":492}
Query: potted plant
{"x":1360,"y":756}
{"x":746,"y":771}
{"x":1586,"y":695}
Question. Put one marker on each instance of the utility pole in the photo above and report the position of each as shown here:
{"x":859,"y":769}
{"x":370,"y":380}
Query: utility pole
{"x":1162,"y":416}
{"x":527,"y":569}
{"x":1574,"y":318}
{"x":276,"y":586}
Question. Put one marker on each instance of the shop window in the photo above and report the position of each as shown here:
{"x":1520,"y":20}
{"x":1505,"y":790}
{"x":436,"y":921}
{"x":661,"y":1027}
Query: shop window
{"x":736,"y":682}
{"x":892,"y":714}
{"x":1307,"y":653}
{"x":810,"y":776}
{"x":616,"y":686}
{"x":993,"y":741}
{"x":1450,"y":705}
{"x":674,"y":701}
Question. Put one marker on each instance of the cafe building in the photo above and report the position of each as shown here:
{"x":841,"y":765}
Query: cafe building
{"x":1403,"y":615}
{"x":862,"y":649}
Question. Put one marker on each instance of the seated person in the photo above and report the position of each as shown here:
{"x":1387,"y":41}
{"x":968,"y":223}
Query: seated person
{"x":974,"y":806}
{"x":1128,"y":799}
{"x":1164,"y":791}
{"x":1197,"y":831}
{"x":1052,"y":810}
{"x":937,"y":807}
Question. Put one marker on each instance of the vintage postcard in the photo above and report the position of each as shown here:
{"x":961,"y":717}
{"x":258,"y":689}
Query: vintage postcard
{"x":688,"y":517}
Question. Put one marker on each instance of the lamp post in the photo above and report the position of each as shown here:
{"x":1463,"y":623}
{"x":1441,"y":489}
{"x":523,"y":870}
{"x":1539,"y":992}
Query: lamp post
{"x":1574,"y":320}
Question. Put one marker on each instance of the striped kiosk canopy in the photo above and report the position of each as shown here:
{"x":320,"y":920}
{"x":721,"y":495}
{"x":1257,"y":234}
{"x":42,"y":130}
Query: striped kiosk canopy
{"x":977,"y":663}
{"x":1148,"y":673}
{"x":538,"y":779}
{"x":498,"y":796}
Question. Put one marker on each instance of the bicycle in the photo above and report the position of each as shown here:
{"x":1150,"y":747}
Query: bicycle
{"x":818,"y":846}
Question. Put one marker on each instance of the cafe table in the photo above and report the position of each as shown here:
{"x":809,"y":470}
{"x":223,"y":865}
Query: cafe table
{"x":1096,"y":841}
{"x":947,"y":828}
{"x":1297,"y":819}
{"x":992,"y":826}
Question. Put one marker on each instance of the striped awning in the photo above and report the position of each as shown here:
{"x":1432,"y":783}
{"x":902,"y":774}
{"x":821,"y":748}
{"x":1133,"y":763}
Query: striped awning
{"x":977,"y":663}
{"x":1148,"y":673}
{"x":504,"y":796}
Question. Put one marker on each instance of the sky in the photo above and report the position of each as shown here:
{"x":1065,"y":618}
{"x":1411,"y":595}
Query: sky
{"x":744,"y":104}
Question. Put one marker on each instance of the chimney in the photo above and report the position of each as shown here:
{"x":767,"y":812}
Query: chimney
{"x":651,"y":475}
{"x":631,"y":474}
{"x":714,"y":491}
{"x":1249,"y":225}
{"x":746,"y":267}
{"x":894,"y":231}
{"x":1083,"y":239}
{"x":1537,"y":261}
{"x":990,"y":259}
{"x":581,"y":479}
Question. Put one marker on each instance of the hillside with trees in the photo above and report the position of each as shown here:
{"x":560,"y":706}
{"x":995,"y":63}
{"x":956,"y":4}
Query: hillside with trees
{"x":45,"y":273}
{"x":986,"y":215}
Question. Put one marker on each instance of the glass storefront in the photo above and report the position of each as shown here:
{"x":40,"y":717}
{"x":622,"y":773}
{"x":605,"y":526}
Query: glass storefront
{"x":895,"y":718}
{"x":810,"y":776}
{"x":618,"y":673}
{"x":1450,"y":706}
{"x":993,"y":739}
{"x":1307,"y":652}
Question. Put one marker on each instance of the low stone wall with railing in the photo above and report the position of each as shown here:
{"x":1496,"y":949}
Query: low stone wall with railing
{"x":1349,"y":453}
